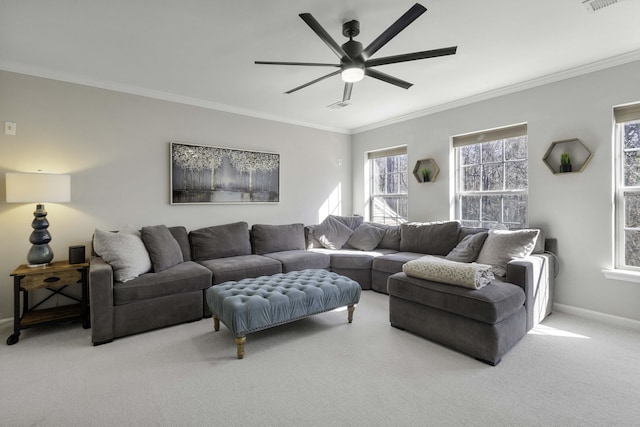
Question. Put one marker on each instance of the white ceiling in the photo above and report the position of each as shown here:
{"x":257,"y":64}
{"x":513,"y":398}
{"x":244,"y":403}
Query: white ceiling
{"x":202,"y":52}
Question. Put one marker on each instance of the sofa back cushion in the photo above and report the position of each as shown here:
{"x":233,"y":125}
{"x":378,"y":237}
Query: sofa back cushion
{"x":277,"y":238}
{"x":430,"y":238}
{"x":220,"y":241}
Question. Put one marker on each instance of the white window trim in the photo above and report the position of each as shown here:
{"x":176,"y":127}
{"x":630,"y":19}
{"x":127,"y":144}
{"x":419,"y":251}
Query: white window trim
{"x":624,"y":275}
{"x":386,"y":152}
{"x":478,"y":138}
{"x":620,"y":271}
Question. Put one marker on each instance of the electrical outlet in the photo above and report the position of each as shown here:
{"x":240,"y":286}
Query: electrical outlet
{"x":9,"y":128}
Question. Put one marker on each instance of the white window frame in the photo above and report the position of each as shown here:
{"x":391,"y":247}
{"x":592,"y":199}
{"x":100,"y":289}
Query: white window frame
{"x":394,"y":218}
{"x":481,"y":137}
{"x":622,"y":116}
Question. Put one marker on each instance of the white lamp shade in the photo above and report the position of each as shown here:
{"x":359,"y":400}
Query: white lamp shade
{"x":38,"y":187}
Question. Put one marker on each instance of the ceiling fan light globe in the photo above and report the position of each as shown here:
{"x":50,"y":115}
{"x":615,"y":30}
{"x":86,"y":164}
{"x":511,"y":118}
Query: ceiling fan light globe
{"x":352,"y":75}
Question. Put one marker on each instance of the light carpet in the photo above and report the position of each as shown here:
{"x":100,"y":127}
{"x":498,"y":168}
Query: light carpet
{"x":319,"y":371}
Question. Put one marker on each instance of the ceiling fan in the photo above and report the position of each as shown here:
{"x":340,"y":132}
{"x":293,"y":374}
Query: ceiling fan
{"x":355,"y":61}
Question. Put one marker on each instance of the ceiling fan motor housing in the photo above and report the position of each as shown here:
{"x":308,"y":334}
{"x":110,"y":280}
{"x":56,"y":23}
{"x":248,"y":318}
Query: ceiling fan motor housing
{"x":351,"y":28}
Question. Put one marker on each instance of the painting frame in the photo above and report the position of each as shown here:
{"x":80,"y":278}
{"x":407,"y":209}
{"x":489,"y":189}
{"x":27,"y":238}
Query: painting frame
{"x":204,"y":174}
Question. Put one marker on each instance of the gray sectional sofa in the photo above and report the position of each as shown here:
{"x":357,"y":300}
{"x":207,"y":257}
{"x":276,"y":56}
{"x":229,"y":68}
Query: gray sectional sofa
{"x":171,"y":289}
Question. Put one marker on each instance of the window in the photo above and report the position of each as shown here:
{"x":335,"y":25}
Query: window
{"x":627,"y":187}
{"x":388,"y":190}
{"x":491,"y":177}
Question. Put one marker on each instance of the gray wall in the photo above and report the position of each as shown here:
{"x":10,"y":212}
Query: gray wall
{"x":574,"y":208}
{"x":116,"y":148}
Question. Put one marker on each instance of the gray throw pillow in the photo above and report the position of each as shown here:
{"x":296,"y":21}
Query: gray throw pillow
{"x":331,"y":233}
{"x":469,"y":248}
{"x":276,"y":238}
{"x":309,"y":237}
{"x":366,"y":237}
{"x":163,"y":248}
{"x":391,"y":238}
{"x":182,"y":237}
{"x":502,"y":246}
{"x":124,"y":251}
{"x":352,"y":222}
{"x":430,"y":238}
{"x":220,"y":241}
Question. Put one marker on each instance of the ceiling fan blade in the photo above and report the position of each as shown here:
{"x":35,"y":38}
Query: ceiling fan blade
{"x":411,"y":56}
{"x":313,"y":81}
{"x":348,"y":87}
{"x":322,"y":33}
{"x":387,"y":78}
{"x":309,"y":64}
{"x":409,"y":16}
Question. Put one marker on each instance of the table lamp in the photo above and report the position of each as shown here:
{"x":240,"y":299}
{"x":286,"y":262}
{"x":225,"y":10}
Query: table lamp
{"x":38,"y":188}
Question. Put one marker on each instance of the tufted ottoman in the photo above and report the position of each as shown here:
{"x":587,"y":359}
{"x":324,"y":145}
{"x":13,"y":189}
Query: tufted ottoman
{"x":253,"y":304}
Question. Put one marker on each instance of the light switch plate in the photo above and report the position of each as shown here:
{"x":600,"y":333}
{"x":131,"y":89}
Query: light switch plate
{"x":9,"y":128}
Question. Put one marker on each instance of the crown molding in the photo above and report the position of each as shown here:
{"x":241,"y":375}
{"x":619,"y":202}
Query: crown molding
{"x":518,"y":87}
{"x":171,"y":97}
{"x":155,"y":94}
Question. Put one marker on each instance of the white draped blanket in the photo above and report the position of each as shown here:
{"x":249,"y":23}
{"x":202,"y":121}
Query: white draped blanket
{"x":468,"y":275}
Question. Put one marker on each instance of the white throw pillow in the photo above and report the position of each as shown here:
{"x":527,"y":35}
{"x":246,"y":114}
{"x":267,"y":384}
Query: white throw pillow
{"x":502,"y":246}
{"x":124,"y":251}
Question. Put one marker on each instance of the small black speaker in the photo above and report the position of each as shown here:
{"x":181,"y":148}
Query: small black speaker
{"x":76,"y":254}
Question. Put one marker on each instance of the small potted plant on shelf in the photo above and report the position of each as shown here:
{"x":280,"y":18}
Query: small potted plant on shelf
{"x":426,"y":174}
{"x":565,"y":163}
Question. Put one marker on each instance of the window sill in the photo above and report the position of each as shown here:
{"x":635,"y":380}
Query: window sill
{"x":625,"y":275}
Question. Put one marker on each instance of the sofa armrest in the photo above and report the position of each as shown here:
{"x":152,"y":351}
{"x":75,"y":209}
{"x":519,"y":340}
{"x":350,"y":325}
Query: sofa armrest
{"x":535,"y":275}
{"x":101,"y":300}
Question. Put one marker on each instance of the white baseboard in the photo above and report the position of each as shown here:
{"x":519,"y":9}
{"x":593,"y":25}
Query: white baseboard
{"x":7,"y":320}
{"x":600,"y":317}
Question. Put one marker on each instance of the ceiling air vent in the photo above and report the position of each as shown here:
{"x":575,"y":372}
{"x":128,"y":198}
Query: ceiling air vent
{"x":596,"y":5}
{"x":338,"y":105}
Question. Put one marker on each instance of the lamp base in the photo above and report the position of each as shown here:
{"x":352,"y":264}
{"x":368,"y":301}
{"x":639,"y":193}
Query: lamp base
{"x":38,"y":265}
{"x":40,"y":253}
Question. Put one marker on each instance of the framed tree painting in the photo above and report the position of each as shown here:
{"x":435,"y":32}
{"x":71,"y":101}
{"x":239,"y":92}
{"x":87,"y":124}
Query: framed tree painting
{"x":204,"y":174}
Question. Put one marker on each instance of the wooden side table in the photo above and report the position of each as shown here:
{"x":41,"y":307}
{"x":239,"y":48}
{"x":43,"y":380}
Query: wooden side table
{"x":54,"y":277}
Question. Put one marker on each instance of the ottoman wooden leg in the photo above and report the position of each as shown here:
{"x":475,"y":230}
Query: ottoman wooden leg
{"x":216,"y":323}
{"x":350,"y":310}
{"x":240,"y":344}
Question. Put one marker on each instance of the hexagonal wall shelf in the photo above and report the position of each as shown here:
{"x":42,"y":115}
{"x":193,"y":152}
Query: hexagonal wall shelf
{"x":429,"y":164}
{"x":579,"y":155}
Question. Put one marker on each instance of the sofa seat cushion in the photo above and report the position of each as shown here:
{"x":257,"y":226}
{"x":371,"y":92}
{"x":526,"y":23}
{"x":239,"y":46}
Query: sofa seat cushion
{"x":296,"y":260}
{"x":182,"y":278}
{"x":240,"y":267}
{"x":392,"y":263}
{"x":490,"y":304}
